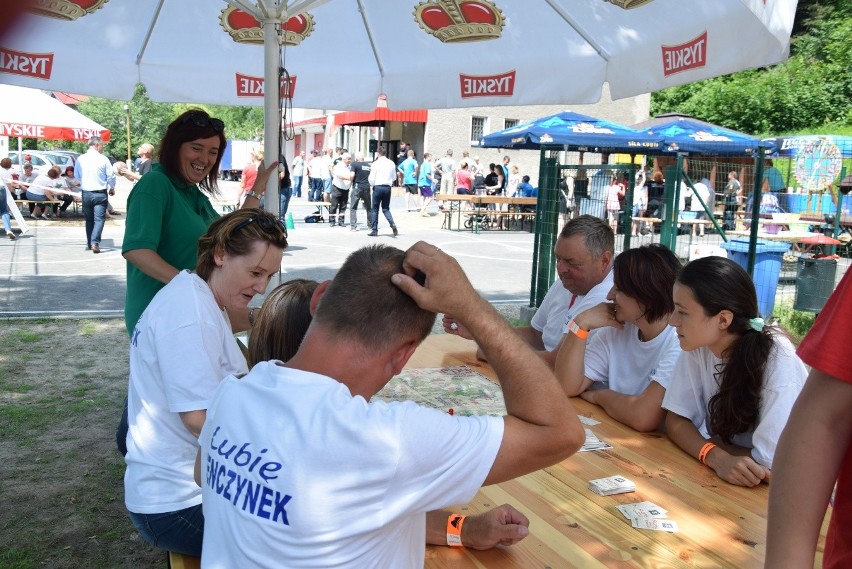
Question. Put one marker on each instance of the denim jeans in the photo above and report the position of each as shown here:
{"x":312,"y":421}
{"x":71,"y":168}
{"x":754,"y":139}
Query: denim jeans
{"x":181,"y":531}
{"x":4,"y":211}
{"x":297,"y":186}
{"x":94,"y":208}
{"x":284,"y":195}
{"x":315,"y":191}
{"x":381,"y":197}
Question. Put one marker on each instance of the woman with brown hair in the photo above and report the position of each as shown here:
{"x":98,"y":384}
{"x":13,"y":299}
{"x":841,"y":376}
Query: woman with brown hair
{"x":736,"y":382}
{"x":181,"y":348}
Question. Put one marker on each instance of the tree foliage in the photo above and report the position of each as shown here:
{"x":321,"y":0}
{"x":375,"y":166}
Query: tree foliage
{"x":811,"y":91}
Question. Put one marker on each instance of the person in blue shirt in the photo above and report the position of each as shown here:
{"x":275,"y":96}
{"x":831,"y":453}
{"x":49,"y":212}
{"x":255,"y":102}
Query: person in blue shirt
{"x":408,"y":169}
{"x":526,"y":190}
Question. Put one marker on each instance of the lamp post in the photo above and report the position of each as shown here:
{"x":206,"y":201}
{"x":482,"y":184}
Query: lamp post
{"x":127,"y":129}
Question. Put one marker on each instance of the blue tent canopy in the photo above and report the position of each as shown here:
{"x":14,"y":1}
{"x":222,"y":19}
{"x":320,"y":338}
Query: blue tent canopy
{"x":680,"y":133}
{"x":576,"y":131}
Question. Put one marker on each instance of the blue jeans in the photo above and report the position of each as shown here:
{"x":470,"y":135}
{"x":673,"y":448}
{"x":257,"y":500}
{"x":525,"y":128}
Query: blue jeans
{"x":297,"y":186}
{"x":284,"y":195}
{"x":94,"y":208}
{"x":315,"y":191}
{"x":180,"y":531}
{"x":381,"y":197}
{"x":4,"y":211}
{"x":326,"y":187}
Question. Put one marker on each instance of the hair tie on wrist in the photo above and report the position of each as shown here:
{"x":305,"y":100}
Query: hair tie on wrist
{"x":756,"y":324}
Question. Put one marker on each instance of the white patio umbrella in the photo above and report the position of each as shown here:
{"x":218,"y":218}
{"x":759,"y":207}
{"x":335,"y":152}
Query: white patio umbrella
{"x":342,"y":54}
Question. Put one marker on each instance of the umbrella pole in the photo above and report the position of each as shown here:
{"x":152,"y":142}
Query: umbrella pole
{"x":271,"y":98}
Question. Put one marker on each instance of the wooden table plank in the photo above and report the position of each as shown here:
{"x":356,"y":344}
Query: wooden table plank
{"x":721,"y":525}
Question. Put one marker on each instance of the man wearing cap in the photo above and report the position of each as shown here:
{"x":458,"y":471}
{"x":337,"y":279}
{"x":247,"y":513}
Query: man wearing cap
{"x":97,"y":179}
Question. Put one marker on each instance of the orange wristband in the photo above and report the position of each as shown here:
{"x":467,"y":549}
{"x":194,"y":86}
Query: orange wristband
{"x":705,"y":450}
{"x":575,"y":329}
{"x":454,"y":528}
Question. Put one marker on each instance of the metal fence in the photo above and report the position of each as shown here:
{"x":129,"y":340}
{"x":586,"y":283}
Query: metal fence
{"x":776,"y":235}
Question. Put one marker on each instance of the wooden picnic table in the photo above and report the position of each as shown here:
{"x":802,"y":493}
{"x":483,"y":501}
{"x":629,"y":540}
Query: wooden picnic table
{"x":721,"y":525}
{"x":479,"y":207}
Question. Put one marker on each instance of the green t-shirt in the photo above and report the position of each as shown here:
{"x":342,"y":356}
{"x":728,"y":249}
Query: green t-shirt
{"x":167,"y":215}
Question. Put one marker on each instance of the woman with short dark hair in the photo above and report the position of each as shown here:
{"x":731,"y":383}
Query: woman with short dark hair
{"x":627,"y":364}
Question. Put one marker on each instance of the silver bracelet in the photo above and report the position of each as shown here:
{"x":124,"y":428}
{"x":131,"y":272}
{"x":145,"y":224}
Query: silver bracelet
{"x":254,"y":194}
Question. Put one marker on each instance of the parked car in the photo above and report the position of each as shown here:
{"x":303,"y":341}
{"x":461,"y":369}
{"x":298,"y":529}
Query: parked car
{"x":42,"y":161}
{"x":70,"y":153}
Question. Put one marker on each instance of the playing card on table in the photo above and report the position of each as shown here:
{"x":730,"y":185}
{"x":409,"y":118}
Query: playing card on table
{"x":588,"y":421}
{"x":639,"y":510}
{"x":593,"y":442}
{"x":656,"y":524}
{"x":611,"y":485}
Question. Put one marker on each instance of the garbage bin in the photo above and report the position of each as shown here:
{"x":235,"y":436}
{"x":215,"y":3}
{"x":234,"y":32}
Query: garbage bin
{"x":767,"y":267}
{"x":814,"y":282}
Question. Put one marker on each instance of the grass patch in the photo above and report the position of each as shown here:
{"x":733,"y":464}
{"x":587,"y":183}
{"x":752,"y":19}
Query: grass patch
{"x":24,"y":336}
{"x":796,"y":322}
{"x":88,"y":328}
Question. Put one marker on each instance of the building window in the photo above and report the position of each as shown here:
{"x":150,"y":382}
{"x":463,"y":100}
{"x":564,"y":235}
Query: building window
{"x":477,"y":129}
{"x":509,"y":123}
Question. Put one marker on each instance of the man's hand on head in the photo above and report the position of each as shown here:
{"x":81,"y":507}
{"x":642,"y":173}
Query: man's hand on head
{"x":445,"y":288}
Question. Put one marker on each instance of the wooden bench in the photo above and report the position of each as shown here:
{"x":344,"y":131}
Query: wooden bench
{"x":26,"y":203}
{"x":181,"y":561}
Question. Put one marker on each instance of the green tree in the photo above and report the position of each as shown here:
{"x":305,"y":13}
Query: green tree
{"x":812,"y":90}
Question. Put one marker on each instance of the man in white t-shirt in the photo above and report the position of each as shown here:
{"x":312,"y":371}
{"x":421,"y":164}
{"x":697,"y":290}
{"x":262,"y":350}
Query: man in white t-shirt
{"x":299,"y":468}
{"x":584,"y":253}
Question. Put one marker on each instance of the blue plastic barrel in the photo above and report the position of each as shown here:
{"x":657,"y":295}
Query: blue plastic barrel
{"x":767,"y":267}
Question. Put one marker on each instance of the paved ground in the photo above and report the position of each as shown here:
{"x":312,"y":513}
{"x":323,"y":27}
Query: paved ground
{"x":48,"y":272}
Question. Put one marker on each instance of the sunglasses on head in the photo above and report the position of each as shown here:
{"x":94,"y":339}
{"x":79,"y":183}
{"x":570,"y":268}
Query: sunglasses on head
{"x":266,"y":224}
{"x":202,"y":121}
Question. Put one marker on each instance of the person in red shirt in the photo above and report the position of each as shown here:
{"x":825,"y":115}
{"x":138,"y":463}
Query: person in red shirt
{"x":464,"y":181}
{"x":815,"y":449}
{"x":250,"y":173}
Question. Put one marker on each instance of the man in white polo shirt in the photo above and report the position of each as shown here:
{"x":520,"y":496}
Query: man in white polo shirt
{"x":584,"y":253}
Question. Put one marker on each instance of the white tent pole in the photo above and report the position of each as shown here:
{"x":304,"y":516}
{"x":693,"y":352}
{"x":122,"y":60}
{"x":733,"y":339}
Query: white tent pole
{"x":271,"y":118}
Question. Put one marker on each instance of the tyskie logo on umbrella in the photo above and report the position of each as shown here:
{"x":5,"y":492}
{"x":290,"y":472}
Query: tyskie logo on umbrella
{"x":460,"y":20}
{"x":245,"y":28}
{"x":249,"y":86}
{"x":64,"y":9}
{"x":502,"y":85}
{"x":689,"y":55}
{"x":38,"y":65}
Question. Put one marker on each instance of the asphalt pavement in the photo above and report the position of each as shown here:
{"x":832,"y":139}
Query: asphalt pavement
{"x":47,"y":272}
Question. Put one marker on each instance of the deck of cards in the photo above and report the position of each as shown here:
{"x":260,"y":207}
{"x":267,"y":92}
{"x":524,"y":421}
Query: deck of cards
{"x":593,"y":442}
{"x":611,"y":485}
{"x":647,"y":515}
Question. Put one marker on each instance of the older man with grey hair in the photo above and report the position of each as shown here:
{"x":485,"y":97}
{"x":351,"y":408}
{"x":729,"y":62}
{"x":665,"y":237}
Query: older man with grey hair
{"x":97,"y":179}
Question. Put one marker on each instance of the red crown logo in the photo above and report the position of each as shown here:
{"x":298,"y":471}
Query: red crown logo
{"x":628,"y":4}
{"x":460,"y":20}
{"x":64,"y":9}
{"x":245,"y":28}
